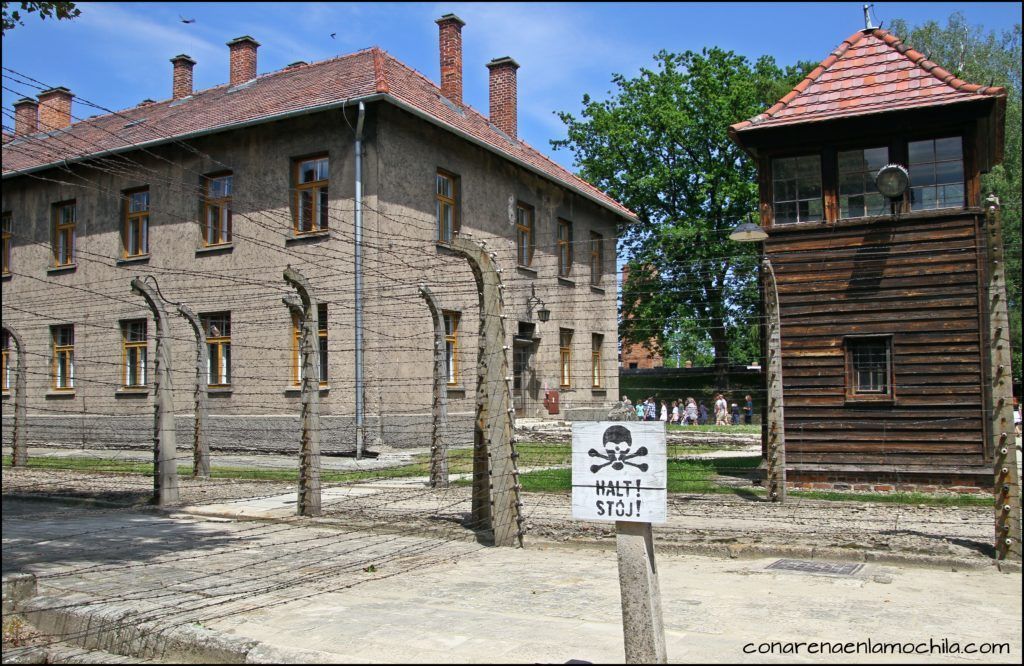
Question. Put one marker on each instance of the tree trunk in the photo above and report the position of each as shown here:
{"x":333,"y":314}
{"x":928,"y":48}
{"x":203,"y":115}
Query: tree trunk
{"x":720,"y":341}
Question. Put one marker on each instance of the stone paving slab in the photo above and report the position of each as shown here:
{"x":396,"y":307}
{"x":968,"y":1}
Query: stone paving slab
{"x":355,"y":596}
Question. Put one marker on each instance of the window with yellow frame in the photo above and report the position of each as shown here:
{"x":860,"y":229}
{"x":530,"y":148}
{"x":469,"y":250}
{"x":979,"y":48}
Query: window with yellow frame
{"x":321,"y":341}
{"x":62,"y":372}
{"x":565,"y":357}
{"x":524,"y":234}
{"x":135,"y":233}
{"x":451,"y":345}
{"x":64,"y":222}
{"x":564,"y":248}
{"x":447,"y":206}
{"x":217,"y":192}
{"x":311,"y":202}
{"x":8,"y":228}
{"x":217,"y":326}
{"x":596,"y":257}
{"x":133,"y":353}
{"x":5,"y":361}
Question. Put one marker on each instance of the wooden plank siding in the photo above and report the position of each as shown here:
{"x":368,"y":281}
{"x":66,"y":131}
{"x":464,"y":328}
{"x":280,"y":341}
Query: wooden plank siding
{"x":916,"y":278}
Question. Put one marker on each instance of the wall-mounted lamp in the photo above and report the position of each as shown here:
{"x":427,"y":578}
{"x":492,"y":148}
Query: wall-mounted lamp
{"x":543,"y":314}
{"x":748,"y":232}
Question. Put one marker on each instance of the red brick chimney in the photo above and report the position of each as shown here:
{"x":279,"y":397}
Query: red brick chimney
{"x":450,"y":27}
{"x":243,"y":59}
{"x":26,"y":116}
{"x":54,"y":109}
{"x":504,"y":105}
{"x":182,"y":76}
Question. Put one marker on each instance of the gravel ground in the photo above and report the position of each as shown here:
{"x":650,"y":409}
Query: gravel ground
{"x":712,"y":523}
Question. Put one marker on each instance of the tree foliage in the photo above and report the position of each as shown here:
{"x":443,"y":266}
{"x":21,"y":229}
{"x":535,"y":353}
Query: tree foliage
{"x":659,"y":145}
{"x":987,"y":58}
{"x":60,"y":10}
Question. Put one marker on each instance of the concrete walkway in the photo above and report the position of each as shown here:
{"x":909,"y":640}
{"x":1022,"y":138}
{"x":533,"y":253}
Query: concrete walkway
{"x":349,"y":596}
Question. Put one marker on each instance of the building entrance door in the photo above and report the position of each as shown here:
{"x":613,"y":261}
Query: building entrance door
{"x":523,"y":389}
{"x":520,"y":376}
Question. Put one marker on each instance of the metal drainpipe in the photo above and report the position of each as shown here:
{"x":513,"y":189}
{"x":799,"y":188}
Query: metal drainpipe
{"x":360,"y":425}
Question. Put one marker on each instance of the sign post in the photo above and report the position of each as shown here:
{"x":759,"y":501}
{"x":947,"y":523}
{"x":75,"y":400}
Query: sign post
{"x":619,"y":474}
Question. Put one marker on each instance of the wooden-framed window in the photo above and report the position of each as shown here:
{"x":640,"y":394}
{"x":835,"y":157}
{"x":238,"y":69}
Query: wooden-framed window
{"x":5,"y":361}
{"x":564,"y":242}
{"x":321,"y":315}
{"x":565,"y":357}
{"x":62,"y":372}
{"x":451,"y":345}
{"x":135,"y":233}
{"x":869,"y":371}
{"x":7,"y":222}
{"x":936,"y":173}
{"x":217,"y":190}
{"x":64,"y":222}
{"x":447,"y":205}
{"x":796,"y":185}
{"x":524,"y":234}
{"x":858,"y":194}
{"x":218,"y":340}
{"x":596,"y":257}
{"x":311,"y":205}
{"x":133,"y":353}
{"x":597,"y":341}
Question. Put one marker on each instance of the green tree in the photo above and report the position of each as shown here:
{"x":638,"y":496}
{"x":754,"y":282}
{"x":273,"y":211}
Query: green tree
{"x":60,"y":10}
{"x":988,"y":58}
{"x":660,"y":146}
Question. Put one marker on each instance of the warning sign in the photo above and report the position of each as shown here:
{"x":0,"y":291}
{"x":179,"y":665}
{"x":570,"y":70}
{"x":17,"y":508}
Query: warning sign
{"x":619,"y":471}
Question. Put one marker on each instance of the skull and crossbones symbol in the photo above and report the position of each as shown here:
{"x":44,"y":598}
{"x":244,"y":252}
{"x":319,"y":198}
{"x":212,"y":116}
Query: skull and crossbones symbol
{"x":618,"y":441}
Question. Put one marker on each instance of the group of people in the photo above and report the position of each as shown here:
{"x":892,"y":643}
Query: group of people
{"x":692,"y":412}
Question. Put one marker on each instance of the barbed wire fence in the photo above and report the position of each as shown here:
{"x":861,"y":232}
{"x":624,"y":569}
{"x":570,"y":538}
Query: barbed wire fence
{"x":377,"y":504}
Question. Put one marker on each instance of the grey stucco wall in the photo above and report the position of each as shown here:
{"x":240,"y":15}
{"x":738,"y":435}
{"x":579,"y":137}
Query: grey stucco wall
{"x":401,"y":157}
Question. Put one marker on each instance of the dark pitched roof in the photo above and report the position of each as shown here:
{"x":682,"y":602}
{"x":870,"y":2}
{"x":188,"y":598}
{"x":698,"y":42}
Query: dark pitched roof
{"x":371,"y":73}
{"x":872,"y":71}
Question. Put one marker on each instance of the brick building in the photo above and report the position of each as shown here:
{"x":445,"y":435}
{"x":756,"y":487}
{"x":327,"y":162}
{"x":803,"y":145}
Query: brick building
{"x":215,"y":192}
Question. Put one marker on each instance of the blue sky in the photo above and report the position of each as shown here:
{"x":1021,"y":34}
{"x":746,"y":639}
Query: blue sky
{"x":116,"y":54}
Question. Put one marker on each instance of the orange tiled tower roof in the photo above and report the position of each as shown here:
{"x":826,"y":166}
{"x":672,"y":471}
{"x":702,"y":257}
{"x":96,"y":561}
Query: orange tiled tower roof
{"x":872,"y":71}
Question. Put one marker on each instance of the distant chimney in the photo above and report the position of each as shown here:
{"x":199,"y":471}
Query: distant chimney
{"x":182,"y":76}
{"x":243,"y":59}
{"x":26,"y":116}
{"x":54,"y":109}
{"x":504,"y":111}
{"x":450,"y":27}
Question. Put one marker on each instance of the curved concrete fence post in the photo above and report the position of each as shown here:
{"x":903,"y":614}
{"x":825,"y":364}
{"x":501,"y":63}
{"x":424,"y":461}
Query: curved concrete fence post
{"x":494,"y":458}
{"x":165,"y":468}
{"x":19,"y":442}
{"x":201,"y":441}
{"x":439,"y":411}
{"x":309,"y":351}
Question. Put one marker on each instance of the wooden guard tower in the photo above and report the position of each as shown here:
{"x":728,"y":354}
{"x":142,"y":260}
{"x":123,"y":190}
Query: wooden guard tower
{"x":888,"y":307}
